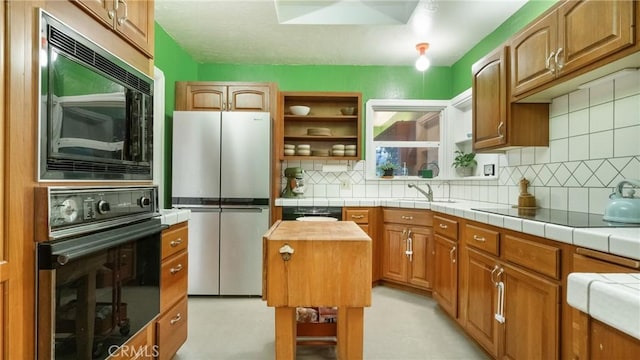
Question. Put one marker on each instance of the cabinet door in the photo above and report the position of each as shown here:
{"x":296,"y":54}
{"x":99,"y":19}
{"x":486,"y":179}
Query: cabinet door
{"x":481,"y":300}
{"x":532,"y":55}
{"x":134,"y":20}
{"x":200,"y":97}
{"x":420,"y":267}
{"x":445,"y":283}
{"x":489,"y":104}
{"x":394,"y":260}
{"x":248,"y":98}
{"x":609,"y":343}
{"x":102,"y":10}
{"x":591,"y":30}
{"x":532,"y":316}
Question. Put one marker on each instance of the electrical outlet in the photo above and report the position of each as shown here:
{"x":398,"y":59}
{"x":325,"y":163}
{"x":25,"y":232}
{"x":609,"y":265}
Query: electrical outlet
{"x":345,"y":184}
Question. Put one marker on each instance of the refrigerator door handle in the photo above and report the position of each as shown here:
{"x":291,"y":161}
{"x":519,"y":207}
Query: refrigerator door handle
{"x":195,"y":208}
{"x":244,"y":209}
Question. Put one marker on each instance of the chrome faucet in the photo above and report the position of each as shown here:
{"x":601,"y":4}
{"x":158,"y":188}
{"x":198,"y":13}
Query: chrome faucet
{"x":428,"y":194}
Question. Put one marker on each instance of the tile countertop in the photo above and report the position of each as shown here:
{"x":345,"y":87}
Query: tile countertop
{"x":613,"y":299}
{"x":174,"y":216}
{"x":619,"y":241}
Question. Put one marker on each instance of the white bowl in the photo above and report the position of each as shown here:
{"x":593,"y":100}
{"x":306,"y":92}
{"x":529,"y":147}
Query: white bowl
{"x":350,"y":147}
{"x":337,"y":152}
{"x":289,"y":146}
{"x":289,"y":152}
{"x":304,"y":147}
{"x":303,"y":152}
{"x":349,"y":153}
{"x":338,"y":147}
{"x":299,"y":109}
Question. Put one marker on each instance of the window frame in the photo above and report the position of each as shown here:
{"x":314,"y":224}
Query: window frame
{"x":403,"y":105}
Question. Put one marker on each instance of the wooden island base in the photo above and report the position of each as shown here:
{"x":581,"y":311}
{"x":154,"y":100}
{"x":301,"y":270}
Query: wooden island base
{"x":317,"y":264}
{"x":350,"y":333}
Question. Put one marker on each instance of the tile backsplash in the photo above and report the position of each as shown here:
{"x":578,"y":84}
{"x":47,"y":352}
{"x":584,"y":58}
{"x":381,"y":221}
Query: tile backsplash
{"x":594,"y":143}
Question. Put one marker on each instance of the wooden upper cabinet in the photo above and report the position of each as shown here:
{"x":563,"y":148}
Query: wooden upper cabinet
{"x":216,"y":96}
{"x":572,"y":37}
{"x":532,"y":55}
{"x":248,"y":98}
{"x":131,"y":19}
{"x":489,"y":104}
{"x":498,"y":123}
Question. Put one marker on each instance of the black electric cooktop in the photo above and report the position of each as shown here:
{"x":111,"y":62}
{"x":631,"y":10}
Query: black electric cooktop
{"x":559,"y":217}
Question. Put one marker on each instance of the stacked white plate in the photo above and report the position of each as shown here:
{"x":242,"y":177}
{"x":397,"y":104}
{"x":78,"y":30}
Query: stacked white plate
{"x":303,"y":149}
{"x":350,"y":150}
{"x":337,"y":150}
{"x":289,"y":149}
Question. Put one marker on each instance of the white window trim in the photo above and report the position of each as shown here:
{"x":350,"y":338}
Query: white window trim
{"x":373,"y":105}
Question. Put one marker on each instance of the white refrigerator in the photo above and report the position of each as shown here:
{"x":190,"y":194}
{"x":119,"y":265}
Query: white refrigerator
{"x":220,"y":171}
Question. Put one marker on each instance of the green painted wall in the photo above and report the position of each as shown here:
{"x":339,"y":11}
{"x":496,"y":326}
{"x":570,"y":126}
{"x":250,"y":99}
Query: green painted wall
{"x":461,"y":70}
{"x":176,"y":65}
{"x":374,"y":82}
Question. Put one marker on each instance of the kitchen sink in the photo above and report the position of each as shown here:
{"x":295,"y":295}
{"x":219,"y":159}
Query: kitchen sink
{"x":423,"y":200}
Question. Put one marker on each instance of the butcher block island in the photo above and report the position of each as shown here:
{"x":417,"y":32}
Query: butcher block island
{"x":317,"y":264}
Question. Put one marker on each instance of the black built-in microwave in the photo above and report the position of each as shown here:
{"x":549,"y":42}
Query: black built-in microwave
{"x":96,"y":111}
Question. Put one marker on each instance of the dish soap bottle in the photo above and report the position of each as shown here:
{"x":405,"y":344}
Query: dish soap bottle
{"x":404,"y":170}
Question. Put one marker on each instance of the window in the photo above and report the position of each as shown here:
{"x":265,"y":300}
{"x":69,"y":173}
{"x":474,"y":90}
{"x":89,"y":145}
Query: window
{"x":406,"y":133}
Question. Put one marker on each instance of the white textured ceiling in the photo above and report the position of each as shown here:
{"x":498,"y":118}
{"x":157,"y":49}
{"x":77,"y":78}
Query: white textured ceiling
{"x":249,"y":32}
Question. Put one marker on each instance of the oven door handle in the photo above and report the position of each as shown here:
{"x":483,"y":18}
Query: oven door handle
{"x":54,"y":254}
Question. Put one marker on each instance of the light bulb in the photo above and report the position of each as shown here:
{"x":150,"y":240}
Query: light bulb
{"x":422,"y":63}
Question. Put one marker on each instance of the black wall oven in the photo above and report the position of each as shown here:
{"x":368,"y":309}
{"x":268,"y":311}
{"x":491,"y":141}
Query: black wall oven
{"x":98,"y":270}
{"x":96,"y":111}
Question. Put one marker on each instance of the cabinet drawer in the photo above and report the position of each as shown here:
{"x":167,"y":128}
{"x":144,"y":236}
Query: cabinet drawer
{"x":173,"y":280}
{"x":445,"y":227}
{"x":174,"y":239}
{"x":537,"y":257}
{"x":410,"y":217}
{"x":359,"y":216}
{"x":171,"y":330}
{"x":481,"y":238}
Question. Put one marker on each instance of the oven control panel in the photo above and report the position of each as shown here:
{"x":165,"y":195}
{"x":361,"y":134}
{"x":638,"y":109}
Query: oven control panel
{"x":97,"y":208}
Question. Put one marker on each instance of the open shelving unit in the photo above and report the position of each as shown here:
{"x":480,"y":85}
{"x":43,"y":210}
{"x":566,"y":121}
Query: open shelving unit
{"x":325,"y":113}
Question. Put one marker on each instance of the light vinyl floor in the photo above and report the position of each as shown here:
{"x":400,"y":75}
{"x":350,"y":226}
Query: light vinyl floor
{"x":398,"y":326}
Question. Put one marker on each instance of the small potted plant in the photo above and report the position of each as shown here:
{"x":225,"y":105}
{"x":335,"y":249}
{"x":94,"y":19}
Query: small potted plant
{"x":464,"y":163}
{"x":387,"y":169}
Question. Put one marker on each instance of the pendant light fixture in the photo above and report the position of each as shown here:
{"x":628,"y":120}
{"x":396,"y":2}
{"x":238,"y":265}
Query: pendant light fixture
{"x":422,"y":64}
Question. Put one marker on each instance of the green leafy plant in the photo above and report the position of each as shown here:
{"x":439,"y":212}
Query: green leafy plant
{"x":463,"y":160}
{"x":388,"y":166}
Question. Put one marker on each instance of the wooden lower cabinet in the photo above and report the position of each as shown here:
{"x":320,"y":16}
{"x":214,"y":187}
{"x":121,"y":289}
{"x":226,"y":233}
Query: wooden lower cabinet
{"x":591,"y":339}
{"x":445,"y":284}
{"x":532,"y":316}
{"x":608,"y":343}
{"x":171,"y":330}
{"x":171,"y":327}
{"x":445,"y":260}
{"x":407,"y":246}
{"x":366,"y":218}
{"x":481,"y":300}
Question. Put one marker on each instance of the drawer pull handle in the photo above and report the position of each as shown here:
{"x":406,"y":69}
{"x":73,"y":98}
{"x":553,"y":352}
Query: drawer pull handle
{"x":177,"y":318}
{"x":403,"y":217}
{"x":357,"y":216}
{"x":176,"y":269}
{"x":479,"y":238}
{"x":175,"y":242}
{"x":443,"y":226}
{"x":451,"y":256}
